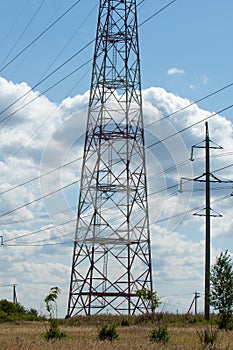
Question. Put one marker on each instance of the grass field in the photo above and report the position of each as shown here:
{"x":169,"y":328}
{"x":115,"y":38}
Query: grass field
{"x":83,"y":336}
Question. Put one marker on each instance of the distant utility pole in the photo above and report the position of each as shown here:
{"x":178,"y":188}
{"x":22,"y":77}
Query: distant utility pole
{"x":14,"y":299}
{"x":206,"y":177}
{"x":14,"y":294}
{"x":194,"y":301}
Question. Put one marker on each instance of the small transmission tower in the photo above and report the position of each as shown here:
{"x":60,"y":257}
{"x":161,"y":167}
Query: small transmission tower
{"x":112,"y":257}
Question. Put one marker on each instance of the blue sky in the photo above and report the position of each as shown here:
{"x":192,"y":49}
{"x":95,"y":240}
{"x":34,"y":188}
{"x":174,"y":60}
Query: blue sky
{"x":186,"y":54}
{"x":192,"y":36}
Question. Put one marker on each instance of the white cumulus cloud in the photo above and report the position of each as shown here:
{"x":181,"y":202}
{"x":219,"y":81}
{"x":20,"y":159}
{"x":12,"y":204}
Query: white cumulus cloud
{"x":175,"y":70}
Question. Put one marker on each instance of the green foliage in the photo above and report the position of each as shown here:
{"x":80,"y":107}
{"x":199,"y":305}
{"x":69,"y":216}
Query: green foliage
{"x":108,"y":332}
{"x":51,"y":301}
{"x":33,"y":312}
{"x":11,"y":308}
{"x":221,"y":294}
{"x":159,"y":335}
{"x":15,"y":312}
{"x":51,"y":305}
{"x":149,"y":296}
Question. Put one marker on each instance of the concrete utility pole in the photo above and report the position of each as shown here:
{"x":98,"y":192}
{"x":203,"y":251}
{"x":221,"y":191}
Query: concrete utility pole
{"x":207,"y":216}
{"x":194,"y":301}
{"x":206,"y":177}
{"x":14,"y":293}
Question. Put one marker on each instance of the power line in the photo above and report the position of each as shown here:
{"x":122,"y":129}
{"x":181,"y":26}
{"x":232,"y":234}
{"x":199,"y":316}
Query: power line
{"x":40,"y":176}
{"x":25,"y":29}
{"x":44,"y":216}
{"x":69,"y":41}
{"x":38,"y":245}
{"x":76,"y":182}
{"x":156,"y":13}
{"x":190,"y":126}
{"x":227,"y":86}
{"x":39,"y":36}
{"x":38,"y":199}
{"x":156,"y":222}
{"x":179,"y":131}
{"x":73,"y":161}
{"x":18,"y":16}
{"x":49,"y":116}
{"x":7,"y":117}
{"x":53,"y":72}
{"x":42,"y":93}
{"x":156,"y":201}
{"x":57,"y":243}
{"x":68,"y":75}
{"x":191,"y":104}
{"x":165,"y":171}
{"x":211,"y":94}
{"x":39,"y":231}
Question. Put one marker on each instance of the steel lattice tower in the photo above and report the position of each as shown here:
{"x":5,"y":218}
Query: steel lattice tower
{"x":112,"y":257}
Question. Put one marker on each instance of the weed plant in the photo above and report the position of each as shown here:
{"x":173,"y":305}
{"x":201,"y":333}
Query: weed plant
{"x":208,"y":336}
{"x":125,"y":322}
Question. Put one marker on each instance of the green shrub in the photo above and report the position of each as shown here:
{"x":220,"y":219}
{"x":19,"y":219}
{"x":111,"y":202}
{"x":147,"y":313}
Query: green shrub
{"x":54,"y":332}
{"x":160,"y":335}
{"x":10,"y":312}
{"x":11,"y":308}
{"x":108,"y":332}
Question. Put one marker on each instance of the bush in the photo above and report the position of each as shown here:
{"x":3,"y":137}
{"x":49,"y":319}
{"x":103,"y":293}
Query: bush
{"x":10,"y":312}
{"x":160,"y":335}
{"x":108,"y":332}
{"x":11,"y":308}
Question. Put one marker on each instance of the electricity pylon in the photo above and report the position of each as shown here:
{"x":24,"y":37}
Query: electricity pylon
{"x":112,"y":254}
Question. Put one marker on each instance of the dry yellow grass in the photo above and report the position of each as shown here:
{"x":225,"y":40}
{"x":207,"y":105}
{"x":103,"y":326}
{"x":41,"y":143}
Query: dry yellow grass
{"x":30,"y":336}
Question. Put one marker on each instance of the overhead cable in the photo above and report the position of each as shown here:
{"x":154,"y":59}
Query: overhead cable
{"x":39,"y":36}
{"x":23,"y":32}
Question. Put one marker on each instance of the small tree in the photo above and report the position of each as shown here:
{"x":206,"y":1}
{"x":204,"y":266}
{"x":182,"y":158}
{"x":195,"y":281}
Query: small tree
{"x":160,"y":335}
{"x":108,"y":332}
{"x":51,"y":305}
{"x":149,"y":296}
{"x":221,"y":292}
{"x":160,"y":332}
{"x":51,"y":301}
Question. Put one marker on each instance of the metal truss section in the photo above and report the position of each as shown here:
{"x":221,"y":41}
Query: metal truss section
{"x":112,"y":258}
